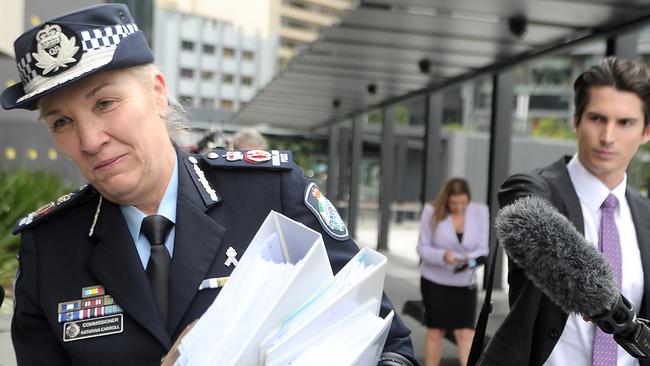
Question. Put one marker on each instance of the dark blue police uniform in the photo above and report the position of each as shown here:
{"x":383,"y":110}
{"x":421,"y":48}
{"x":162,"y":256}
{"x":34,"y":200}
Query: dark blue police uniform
{"x":82,"y":242}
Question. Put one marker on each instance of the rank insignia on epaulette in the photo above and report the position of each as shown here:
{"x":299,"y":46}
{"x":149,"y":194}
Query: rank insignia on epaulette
{"x":44,"y":209}
{"x":50,"y":208}
{"x":212,"y":155}
{"x":252,"y":159}
{"x":234,"y":155}
{"x":63,"y":198}
{"x":257,"y":156}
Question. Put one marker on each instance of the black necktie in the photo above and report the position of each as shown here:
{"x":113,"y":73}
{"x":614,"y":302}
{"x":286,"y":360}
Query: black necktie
{"x":155,"y":228}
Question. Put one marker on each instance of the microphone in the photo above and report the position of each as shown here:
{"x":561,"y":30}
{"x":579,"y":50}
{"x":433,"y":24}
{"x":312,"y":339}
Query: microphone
{"x":569,"y":270}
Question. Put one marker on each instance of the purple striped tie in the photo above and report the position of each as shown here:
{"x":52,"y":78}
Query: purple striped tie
{"x":605,"y":348}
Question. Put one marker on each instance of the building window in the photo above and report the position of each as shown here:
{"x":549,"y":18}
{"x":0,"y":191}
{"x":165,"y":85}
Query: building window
{"x":187,"y":73}
{"x":226,"y":104}
{"x":228,"y":52}
{"x":207,"y":75}
{"x":187,"y":45}
{"x":227,"y":78}
{"x":246,"y":80}
{"x":208,"y":49}
{"x":207,"y":103}
{"x":248,"y":55}
{"x":186,"y":100}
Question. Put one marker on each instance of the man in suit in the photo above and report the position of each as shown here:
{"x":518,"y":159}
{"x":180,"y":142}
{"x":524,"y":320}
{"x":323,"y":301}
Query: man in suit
{"x":611,"y":122}
{"x":113,"y":273}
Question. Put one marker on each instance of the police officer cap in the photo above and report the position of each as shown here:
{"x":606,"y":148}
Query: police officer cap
{"x":72,"y":47}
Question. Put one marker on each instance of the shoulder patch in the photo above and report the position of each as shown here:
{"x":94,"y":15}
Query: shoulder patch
{"x":325,"y":212}
{"x":52,"y":208}
{"x":250,"y":159}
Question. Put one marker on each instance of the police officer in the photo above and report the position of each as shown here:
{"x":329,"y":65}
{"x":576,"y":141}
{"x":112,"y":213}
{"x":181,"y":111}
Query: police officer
{"x":112,"y":273}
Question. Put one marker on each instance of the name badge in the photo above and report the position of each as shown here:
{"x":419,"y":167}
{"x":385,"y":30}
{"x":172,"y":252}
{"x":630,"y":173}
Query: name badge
{"x":95,"y":327}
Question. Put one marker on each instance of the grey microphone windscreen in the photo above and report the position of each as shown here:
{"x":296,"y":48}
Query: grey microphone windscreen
{"x":556,"y":257}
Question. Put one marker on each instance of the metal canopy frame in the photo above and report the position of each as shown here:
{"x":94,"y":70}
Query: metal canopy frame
{"x":389,"y":51}
{"x":379,"y":46}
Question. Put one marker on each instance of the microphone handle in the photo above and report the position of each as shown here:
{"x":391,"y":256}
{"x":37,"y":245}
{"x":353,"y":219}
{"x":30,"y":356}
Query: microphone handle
{"x":637,"y":344}
{"x":633,"y":335}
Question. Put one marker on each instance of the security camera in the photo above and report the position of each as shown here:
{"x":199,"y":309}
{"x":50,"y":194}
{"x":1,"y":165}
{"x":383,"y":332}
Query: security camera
{"x":518,"y":25}
{"x":424,"y":65}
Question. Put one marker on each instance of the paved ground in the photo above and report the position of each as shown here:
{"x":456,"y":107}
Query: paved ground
{"x":402,"y":283}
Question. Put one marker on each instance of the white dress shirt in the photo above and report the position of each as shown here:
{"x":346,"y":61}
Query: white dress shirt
{"x":575,"y":345}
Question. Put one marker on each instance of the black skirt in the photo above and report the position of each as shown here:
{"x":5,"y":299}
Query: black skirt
{"x":448,"y":307}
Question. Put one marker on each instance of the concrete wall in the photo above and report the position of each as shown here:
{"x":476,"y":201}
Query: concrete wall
{"x":469,"y":157}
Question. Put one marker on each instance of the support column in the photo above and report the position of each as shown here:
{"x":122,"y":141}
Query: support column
{"x":332,"y":162}
{"x":344,"y":142}
{"x":387,"y":175}
{"x":500,"y":138}
{"x":433,"y":175}
{"x":624,"y":46}
{"x":401,"y":171}
{"x":355,"y":172}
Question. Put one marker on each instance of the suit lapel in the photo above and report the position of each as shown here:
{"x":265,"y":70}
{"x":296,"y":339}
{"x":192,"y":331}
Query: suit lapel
{"x":640,"y":216}
{"x":568,"y":197}
{"x":197,"y":242}
{"x":118,"y":268}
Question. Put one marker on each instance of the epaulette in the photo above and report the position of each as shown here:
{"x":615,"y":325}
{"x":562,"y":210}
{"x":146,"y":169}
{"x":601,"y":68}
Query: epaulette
{"x":53,"y":208}
{"x":249,"y":159}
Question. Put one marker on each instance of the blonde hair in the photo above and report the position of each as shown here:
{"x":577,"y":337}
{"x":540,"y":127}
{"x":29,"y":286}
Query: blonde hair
{"x":453,"y":187}
{"x":176,"y":116}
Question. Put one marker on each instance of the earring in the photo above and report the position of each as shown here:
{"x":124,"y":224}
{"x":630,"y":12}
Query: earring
{"x":163,"y":115}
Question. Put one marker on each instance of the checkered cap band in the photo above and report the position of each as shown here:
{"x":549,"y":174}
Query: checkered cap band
{"x":91,"y":40}
{"x":106,"y":37}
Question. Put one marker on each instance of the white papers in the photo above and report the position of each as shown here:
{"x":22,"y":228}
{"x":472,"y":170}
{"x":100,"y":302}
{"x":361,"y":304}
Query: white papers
{"x":282,"y":305}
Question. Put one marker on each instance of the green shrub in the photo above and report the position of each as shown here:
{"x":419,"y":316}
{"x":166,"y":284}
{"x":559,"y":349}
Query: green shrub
{"x":21,"y":192}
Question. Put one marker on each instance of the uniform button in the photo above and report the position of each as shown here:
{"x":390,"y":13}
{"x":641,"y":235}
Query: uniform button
{"x":553,"y":333}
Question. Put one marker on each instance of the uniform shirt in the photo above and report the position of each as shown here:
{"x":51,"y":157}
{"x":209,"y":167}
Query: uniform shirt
{"x":167,"y":208}
{"x":576,"y":342}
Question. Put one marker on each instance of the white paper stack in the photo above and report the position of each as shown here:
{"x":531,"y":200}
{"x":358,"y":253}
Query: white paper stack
{"x":282,"y":306}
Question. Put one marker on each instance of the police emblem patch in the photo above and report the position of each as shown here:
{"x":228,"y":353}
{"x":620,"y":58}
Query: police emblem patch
{"x":56,"y":49}
{"x":325,"y":212}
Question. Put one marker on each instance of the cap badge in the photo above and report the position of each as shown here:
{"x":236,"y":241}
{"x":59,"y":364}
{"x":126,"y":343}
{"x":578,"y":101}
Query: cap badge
{"x":55,"y":50}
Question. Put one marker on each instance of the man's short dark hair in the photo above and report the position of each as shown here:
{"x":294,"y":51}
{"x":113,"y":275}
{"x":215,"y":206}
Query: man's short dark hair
{"x":621,"y":74}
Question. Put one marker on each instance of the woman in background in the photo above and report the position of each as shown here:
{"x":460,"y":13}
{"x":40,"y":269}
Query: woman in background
{"x":453,"y":238}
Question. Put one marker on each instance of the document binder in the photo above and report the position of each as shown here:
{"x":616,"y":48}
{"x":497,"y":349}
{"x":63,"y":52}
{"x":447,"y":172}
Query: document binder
{"x":282,"y":305}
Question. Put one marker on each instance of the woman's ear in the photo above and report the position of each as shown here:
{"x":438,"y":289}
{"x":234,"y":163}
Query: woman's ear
{"x":160,"y":88}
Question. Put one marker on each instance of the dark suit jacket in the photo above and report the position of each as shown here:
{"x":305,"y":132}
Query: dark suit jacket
{"x":58,"y":259}
{"x":534,"y":324}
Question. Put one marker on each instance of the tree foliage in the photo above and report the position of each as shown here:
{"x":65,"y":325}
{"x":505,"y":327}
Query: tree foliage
{"x":22,"y":192}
